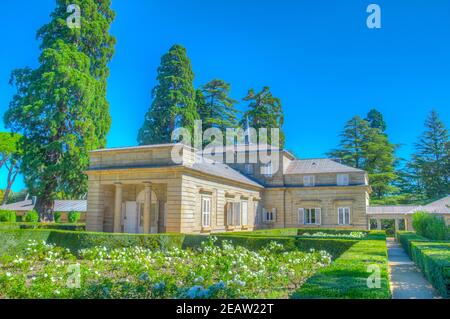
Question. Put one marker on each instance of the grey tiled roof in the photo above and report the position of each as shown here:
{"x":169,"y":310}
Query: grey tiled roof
{"x":441,"y":206}
{"x":222,"y":170}
{"x":390,"y":209}
{"x":59,"y":206}
{"x":319,"y":165}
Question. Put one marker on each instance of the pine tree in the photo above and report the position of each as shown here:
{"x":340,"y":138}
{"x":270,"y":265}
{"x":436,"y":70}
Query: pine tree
{"x":430,"y":162}
{"x":173,"y":103}
{"x":353,"y":144}
{"x":60,"y":107}
{"x":368,"y":149}
{"x":216,"y":108}
{"x":265,"y":111}
{"x":376,"y":120}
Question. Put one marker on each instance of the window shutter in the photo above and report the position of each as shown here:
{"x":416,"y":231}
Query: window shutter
{"x":318,"y":216}
{"x":229,"y":214}
{"x":301,"y":216}
{"x":274,"y":214}
{"x":122,"y":220}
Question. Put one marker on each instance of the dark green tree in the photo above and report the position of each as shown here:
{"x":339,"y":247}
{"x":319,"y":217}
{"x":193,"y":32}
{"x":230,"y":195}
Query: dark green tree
{"x":264,"y":111}
{"x":367,"y":148}
{"x":430,"y":162}
{"x":173,"y":103}
{"x":10,"y":158}
{"x":60,"y":107}
{"x":376,"y":120}
{"x":216,"y":107}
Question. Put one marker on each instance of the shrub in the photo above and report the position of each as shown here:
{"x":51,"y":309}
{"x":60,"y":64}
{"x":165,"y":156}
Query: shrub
{"x":74,"y":216}
{"x":57,"y":216}
{"x":7,"y":216}
{"x":32,"y":216}
{"x":429,"y":225}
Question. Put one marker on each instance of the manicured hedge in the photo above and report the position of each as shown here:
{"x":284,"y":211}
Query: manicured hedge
{"x":432,"y":257}
{"x":60,"y":226}
{"x":12,"y":240}
{"x":347,"y":276}
{"x":292,"y":232}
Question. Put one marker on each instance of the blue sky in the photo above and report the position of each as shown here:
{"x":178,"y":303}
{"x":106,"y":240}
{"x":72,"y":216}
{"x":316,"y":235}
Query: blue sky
{"x":318,"y":56}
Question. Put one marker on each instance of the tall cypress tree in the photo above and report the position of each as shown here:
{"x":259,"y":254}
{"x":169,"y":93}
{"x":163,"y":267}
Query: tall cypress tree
{"x":60,"y":107}
{"x":265,"y":111}
{"x":216,"y":107}
{"x":430,"y":163}
{"x":173,"y":103}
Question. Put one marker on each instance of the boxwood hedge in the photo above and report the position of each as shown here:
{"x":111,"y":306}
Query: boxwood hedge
{"x":432,"y":257}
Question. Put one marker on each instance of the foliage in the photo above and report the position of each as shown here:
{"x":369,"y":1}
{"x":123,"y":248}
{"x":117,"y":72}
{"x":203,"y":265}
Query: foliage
{"x":7,"y":216}
{"x":322,"y":234}
{"x":376,"y":120}
{"x":429,"y":168}
{"x":347,"y":276}
{"x":74,"y":217}
{"x":369,"y":149}
{"x":57,"y":216}
{"x":215,"y":107}
{"x":10,"y":157}
{"x":173,"y":103}
{"x":432,"y":257}
{"x":31,"y":216}
{"x":60,"y":107}
{"x":429,"y":225}
{"x":135,"y":272}
{"x":265,"y":111}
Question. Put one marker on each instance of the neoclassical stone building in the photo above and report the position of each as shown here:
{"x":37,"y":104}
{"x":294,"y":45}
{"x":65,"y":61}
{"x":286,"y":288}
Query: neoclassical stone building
{"x":144,"y":190}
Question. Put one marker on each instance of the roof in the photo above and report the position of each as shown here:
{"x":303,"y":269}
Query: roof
{"x":319,"y":165}
{"x":441,"y":206}
{"x":126,"y":148}
{"x":390,"y":209}
{"x":222,"y":170}
{"x":252,"y":147}
{"x":59,"y":206}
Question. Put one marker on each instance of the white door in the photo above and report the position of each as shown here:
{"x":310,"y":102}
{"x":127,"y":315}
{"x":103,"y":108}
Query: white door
{"x":131,"y":218}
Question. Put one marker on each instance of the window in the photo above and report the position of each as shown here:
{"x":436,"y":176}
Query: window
{"x":229,"y":213}
{"x":344,"y":215}
{"x":266,"y":169}
{"x":248,"y":168}
{"x":244,"y":213}
{"x":308,"y":180}
{"x":269,"y":215}
{"x":311,"y":216}
{"x":256,"y":213}
{"x":206,"y":211}
{"x":343,"y":179}
{"x":237,"y":213}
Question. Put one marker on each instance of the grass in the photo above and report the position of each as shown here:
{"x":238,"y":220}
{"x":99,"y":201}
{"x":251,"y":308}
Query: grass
{"x":346,"y":277}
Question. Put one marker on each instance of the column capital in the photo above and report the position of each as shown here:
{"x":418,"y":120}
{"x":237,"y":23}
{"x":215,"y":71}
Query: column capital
{"x":147,"y":183}
{"x":118,"y":184}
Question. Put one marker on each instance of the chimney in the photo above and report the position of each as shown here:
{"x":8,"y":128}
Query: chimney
{"x":33,"y":200}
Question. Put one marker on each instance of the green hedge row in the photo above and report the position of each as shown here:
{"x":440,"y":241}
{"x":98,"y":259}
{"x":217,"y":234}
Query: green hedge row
{"x":347,"y":276}
{"x":432,"y":257}
{"x":292,"y":232}
{"x":61,"y":226}
{"x":14,"y":240}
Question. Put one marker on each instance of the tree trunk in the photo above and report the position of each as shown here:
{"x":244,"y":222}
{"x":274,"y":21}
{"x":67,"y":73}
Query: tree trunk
{"x":45,"y":209}
{"x":12,"y":174}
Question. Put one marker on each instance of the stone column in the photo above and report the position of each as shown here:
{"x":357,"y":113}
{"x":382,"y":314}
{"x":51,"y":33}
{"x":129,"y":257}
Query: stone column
{"x":397,"y":224}
{"x":378,"y":224}
{"x":406,"y":223}
{"x":118,"y":208}
{"x":147,"y":207}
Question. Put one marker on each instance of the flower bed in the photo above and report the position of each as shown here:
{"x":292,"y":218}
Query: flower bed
{"x":210,"y":271}
{"x":356,"y":235}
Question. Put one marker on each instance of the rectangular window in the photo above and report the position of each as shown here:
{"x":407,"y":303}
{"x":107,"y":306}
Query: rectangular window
{"x":309,"y":216}
{"x":266,"y":169}
{"x":229,"y":213}
{"x":237,"y":213}
{"x":343,"y":179}
{"x":256,"y":213}
{"x":206,"y":211}
{"x":269,"y":215}
{"x":309,"y":180}
{"x":244,"y":213}
{"x":344,"y":215}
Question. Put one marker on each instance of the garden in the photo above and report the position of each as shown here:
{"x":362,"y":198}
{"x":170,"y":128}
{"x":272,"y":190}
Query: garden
{"x":281,"y":263}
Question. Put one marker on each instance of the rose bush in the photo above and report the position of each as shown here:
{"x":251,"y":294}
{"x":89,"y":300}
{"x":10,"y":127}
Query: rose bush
{"x":134,"y":272}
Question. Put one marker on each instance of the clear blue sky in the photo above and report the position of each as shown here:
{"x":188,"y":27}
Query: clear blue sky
{"x":318,"y":56}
